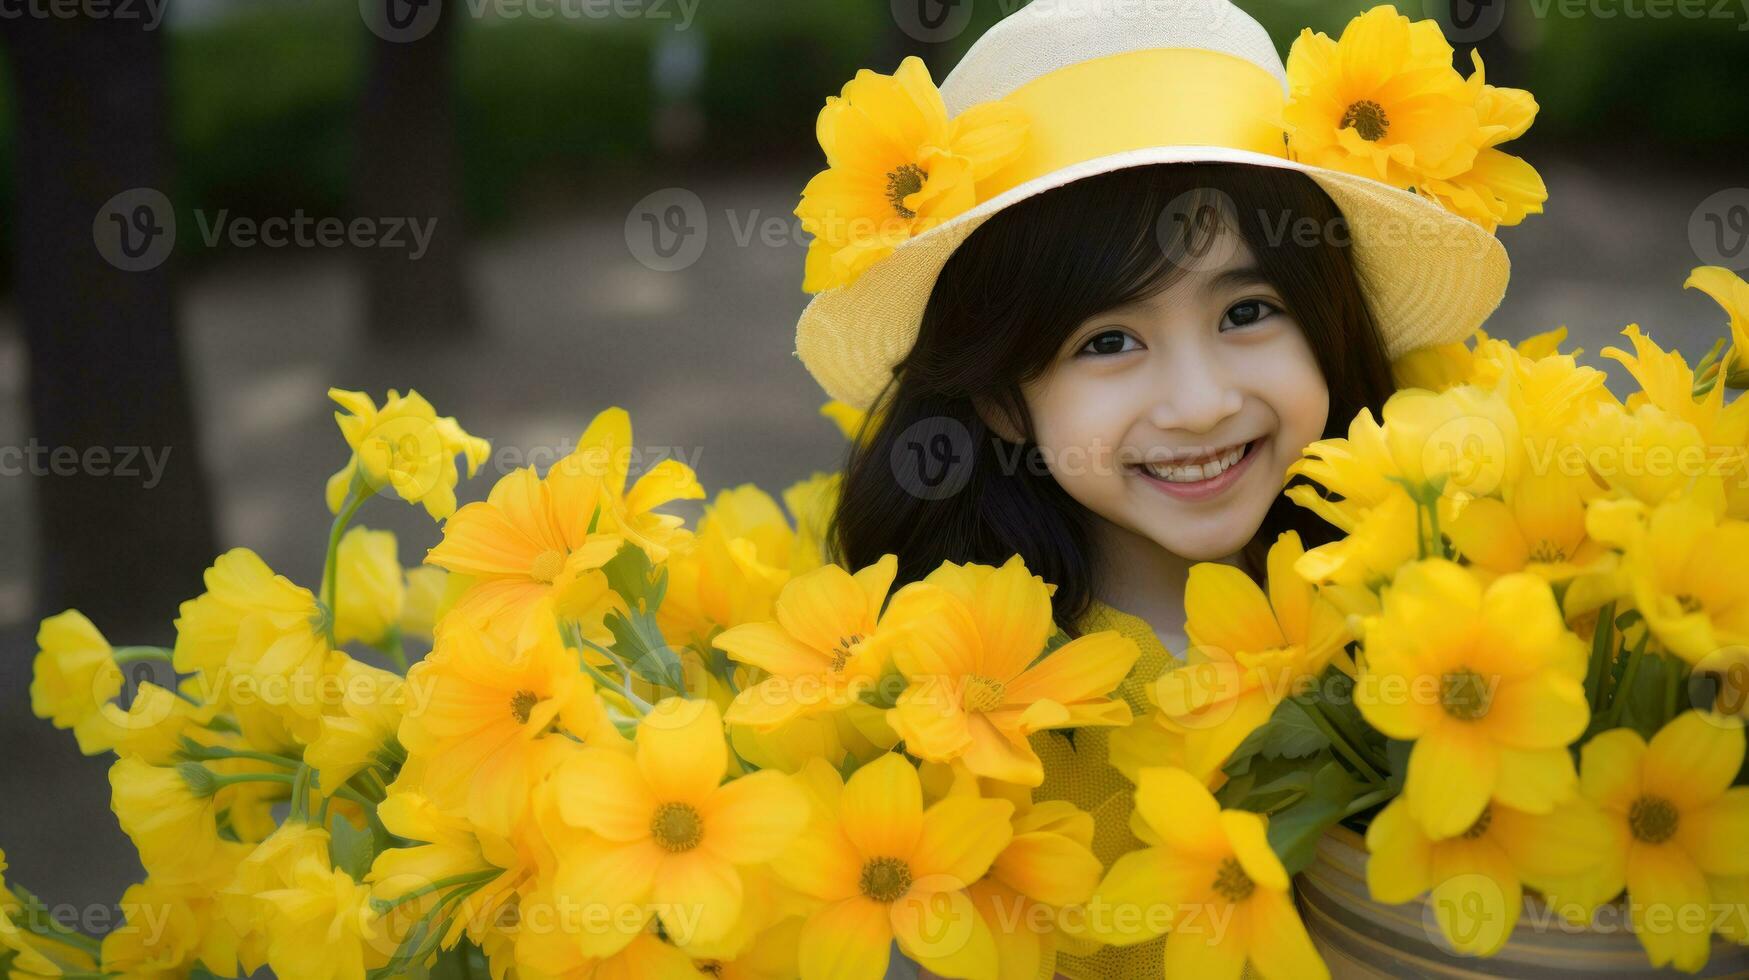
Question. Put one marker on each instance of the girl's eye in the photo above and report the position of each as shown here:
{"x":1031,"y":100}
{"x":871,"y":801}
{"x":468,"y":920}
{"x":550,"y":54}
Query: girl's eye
{"x":1110,"y":342}
{"x":1248,"y":312}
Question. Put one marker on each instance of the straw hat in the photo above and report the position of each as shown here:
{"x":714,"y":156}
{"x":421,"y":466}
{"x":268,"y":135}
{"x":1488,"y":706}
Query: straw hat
{"x":1109,"y":84}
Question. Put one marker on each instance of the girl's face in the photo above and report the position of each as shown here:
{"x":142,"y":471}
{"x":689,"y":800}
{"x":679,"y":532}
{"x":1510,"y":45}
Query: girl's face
{"x":1176,"y":417}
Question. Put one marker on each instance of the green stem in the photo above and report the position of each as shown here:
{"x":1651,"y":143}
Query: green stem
{"x":395,"y":649}
{"x":130,"y":655}
{"x":345,"y":793}
{"x":39,"y":921}
{"x":1617,"y":703}
{"x":1315,"y":711}
{"x":356,"y":495}
{"x":1602,"y":653}
{"x":1356,"y":738}
{"x":207,"y":753}
{"x":468,"y":878}
{"x":1367,"y":801}
{"x":1675,"y":676}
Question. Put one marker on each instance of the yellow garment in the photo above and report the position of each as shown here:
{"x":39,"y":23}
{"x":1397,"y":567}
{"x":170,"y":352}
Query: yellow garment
{"x":1077,"y":771}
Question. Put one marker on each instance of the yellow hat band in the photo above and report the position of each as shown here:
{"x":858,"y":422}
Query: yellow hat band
{"x":1136,"y":99}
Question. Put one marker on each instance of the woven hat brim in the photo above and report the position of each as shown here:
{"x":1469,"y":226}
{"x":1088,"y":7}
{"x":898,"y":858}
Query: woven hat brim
{"x":1429,"y":276}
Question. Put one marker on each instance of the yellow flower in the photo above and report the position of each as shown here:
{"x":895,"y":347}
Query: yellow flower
{"x":1539,"y":528}
{"x":168,"y":930}
{"x":739,"y":561}
{"x":884,"y":868}
{"x":319,"y":924}
{"x":671,"y":832}
{"x":1677,"y":825}
{"x":604,"y":453}
{"x":847,"y":738}
{"x":1730,"y":291}
{"x":371,"y":590}
{"x":1205,"y":865}
{"x":848,"y":418}
{"x":812,"y":503}
{"x":897,"y":166}
{"x":1686,"y":569}
{"x":444,"y":847}
{"x":239,"y":587}
{"x":428,"y":598}
{"x":171,"y":820}
{"x":1248,"y":652}
{"x":551,"y":951}
{"x":1383,"y":101}
{"x":1489,"y":684}
{"x":968,"y":640}
{"x":153,"y":725}
{"x":403,"y":446}
{"x":495,"y":713}
{"x":530,"y":540}
{"x":240,"y":881}
{"x":1047,"y":866}
{"x":74,"y":673}
{"x":1477,"y":877}
{"x":1498,"y":188}
{"x":821,"y":653}
{"x":362,"y":733}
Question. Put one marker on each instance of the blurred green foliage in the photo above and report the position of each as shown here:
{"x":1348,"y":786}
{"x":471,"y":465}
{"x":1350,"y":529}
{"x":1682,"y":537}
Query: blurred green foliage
{"x":264,"y":97}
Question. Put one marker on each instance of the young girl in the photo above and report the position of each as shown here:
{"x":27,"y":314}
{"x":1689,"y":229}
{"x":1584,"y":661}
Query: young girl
{"x":1096,"y":305}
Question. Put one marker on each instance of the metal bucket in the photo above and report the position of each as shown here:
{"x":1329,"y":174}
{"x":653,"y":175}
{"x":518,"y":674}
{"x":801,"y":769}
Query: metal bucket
{"x":1362,"y":939}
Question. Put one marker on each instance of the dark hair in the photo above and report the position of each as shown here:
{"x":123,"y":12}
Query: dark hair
{"x":929,"y":482}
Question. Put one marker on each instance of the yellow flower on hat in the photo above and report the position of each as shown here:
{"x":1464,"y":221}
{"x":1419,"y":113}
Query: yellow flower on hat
{"x":1499,"y":188}
{"x":1383,"y":101}
{"x":897,"y":166}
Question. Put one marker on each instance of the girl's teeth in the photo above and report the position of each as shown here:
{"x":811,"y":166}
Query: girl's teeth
{"x":1197,"y":472}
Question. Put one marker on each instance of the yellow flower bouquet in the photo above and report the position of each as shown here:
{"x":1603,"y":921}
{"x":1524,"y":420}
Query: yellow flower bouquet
{"x":630,"y":748}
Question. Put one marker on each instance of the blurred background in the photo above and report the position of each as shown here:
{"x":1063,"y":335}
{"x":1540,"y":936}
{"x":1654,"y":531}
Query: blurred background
{"x":530,"y":210}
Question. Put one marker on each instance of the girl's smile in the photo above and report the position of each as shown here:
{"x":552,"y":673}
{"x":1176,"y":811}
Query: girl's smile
{"x":1198,"y":475}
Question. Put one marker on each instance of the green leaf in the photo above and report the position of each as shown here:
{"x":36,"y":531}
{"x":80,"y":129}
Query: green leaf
{"x":638,"y":642}
{"x":1288,"y":734}
{"x":352,"y":850}
{"x":1643,"y":704}
{"x":1294,"y":831}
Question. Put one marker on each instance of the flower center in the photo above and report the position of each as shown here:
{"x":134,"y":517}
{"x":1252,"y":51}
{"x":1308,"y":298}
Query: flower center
{"x":1548,"y":551}
{"x":902,"y":183}
{"x":885,"y":879}
{"x":1368,"y":119}
{"x":1652,"y":819}
{"x":1481,"y":825}
{"x":521,"y":703}
{"x":1231,"y":881}
{"x":547,"y":567}
{"x":676,"y":827}
{"x":841,"y":652}
{"x":981,"y":694}
{"x":1464,"y":695}
{"x":1688,"y":603}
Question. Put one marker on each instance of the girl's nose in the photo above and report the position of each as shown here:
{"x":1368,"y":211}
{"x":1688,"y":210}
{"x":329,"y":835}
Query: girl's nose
{"x":1195,"y":395}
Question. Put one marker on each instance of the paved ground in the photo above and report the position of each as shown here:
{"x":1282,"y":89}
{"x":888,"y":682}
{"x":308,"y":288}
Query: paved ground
{"x":571,"y":323}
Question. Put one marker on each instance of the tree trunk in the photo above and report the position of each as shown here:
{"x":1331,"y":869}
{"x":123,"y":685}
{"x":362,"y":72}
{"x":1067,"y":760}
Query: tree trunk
{"x":117,"y":538}
{"x":408,"y":167}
